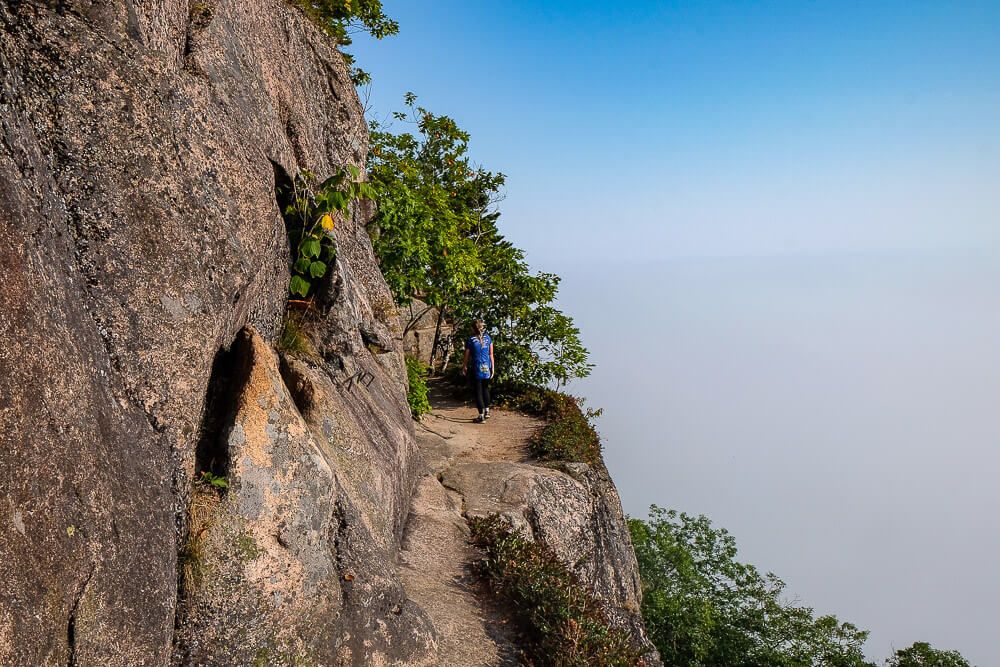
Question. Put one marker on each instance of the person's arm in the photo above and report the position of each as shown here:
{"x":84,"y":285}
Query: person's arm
{"x":465,"y":362}
{"x":493,"y":363}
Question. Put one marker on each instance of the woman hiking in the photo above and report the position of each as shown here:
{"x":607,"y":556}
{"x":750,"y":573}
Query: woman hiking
{"x":479,"y":351}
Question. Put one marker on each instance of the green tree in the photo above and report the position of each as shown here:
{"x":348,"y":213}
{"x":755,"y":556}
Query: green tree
{"x":921,"y":654}
{"x":703,"y":608}
{"x":423,"y":231}
{"x":437,"y":238}
{"x":342,"y":18}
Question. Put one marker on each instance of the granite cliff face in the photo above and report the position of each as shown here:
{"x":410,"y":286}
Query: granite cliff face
{"x":145,"y":280}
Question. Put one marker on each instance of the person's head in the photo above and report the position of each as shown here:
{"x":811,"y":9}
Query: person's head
{"x":478,"y":326}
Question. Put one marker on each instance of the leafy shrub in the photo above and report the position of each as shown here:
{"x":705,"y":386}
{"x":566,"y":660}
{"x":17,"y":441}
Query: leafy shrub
{"x":416,"y":395}
{"x":562,"y":622}
{"x":311,"y":219}
{"x":568,"y":435}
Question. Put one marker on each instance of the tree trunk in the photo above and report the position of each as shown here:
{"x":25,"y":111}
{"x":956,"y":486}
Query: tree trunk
{"x":437,"y":337}
{"x":447,"y":356}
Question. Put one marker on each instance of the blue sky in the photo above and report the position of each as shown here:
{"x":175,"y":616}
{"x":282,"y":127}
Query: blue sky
{"x":716,"y":128}
{"x":806,"y":402}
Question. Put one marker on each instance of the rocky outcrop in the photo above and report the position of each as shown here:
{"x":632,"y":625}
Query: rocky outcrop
{"x":294,"y":560}
{"x":478,"y":470}
{"x":574,"y":508}
{"x":145,"y":266}
{"x":140,"y":144}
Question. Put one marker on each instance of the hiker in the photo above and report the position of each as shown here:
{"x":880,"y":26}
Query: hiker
{"x":479,"y":351}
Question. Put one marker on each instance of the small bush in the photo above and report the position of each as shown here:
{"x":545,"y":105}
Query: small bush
{"x":213,"y":480}
{"x":416,"y":395}
{"x":569,"y":434}
{"x":191,"y":560}
{"x":562,"y":622}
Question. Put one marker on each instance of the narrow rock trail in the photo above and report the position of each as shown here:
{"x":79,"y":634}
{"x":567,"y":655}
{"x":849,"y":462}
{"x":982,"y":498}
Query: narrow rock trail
{"x":436,"y":557}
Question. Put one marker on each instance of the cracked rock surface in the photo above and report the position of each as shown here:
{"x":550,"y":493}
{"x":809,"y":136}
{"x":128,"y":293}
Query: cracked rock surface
{"x":140,"y":144}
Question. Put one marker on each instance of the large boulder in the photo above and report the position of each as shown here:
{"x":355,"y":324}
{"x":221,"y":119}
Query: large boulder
{"x":292,"y":560}
{"x":574,"y":508}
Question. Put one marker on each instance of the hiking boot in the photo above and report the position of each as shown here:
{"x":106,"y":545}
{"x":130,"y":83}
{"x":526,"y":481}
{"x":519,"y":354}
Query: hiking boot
{"x":486,"y":415}
{"x":480,"y":419}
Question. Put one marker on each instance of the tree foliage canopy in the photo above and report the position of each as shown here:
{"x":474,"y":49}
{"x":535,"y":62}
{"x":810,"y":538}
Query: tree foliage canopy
{"x":437,"y":238}
{"x":703,"y":608}
{"x":921,"y":654}
{"x":342,"y":18}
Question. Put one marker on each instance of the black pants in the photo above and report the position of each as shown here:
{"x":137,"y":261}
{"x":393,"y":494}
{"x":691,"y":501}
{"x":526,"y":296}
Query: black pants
{"x":481,"y":390}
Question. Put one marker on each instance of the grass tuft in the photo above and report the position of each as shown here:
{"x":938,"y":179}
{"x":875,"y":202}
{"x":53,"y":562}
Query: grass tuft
{"x":294,"y":339}
{"x":192,"y":556}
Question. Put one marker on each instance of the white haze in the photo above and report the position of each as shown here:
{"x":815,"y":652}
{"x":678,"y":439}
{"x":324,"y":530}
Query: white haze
{"x":839,"y":414}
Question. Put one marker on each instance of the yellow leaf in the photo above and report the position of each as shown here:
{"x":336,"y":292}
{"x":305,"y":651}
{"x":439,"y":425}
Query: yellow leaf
{"x":327,"y":222}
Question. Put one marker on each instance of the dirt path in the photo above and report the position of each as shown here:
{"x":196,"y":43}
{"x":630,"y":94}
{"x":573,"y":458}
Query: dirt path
{"x":436,"y":556}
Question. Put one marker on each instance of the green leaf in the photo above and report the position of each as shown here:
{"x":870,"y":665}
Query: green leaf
{"x":298,"y":286}
{"x":311,"y":248}
{"x":317,"y":269}
{"x":338,"y":201}
{"x":302,"y":265}
{"x":333,"y":181}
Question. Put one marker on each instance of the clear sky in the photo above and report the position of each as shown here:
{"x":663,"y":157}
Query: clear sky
{"x":656,"y":129}
{"x":798,"y":205}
